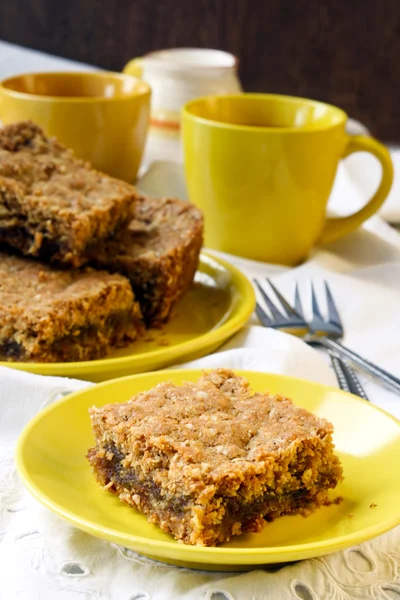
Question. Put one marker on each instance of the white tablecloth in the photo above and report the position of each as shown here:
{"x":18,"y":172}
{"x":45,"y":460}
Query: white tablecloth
{"x":42,"y":557}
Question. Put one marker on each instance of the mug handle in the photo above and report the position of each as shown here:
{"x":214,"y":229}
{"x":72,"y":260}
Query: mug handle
{"x":336,"y":228}
{"x":134,"y":67}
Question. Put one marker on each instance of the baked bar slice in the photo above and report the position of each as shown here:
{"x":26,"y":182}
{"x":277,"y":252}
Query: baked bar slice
{"x":158,"y":251}
{"x":52,"y":205}
{"x":53,"y":315}
{"x":209,"y":460}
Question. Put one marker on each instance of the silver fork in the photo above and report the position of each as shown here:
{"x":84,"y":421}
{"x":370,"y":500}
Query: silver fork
{"x":293,"y":321}
{"x":328,"y":332}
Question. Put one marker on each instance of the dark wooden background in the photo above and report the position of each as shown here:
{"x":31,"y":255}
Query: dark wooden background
{"x":346,"y":52}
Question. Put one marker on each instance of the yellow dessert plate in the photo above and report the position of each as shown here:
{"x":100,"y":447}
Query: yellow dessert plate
{"x":218,"y":304}
{"x":51,"y":461}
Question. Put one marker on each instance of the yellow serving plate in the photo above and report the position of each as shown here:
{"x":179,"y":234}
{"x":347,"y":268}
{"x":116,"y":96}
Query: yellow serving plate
{"x":51,"y":461}
{"x":218,"y":304}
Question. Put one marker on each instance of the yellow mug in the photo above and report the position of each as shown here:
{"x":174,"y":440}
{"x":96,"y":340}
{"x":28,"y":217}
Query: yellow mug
{"x":102,"y":116}
{"x":262,"y":166}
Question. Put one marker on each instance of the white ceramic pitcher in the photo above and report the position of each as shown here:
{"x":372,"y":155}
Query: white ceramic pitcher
{"x":177,"y":76}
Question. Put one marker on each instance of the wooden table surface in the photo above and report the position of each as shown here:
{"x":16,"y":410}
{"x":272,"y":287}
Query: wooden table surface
{"x":339,"y":51}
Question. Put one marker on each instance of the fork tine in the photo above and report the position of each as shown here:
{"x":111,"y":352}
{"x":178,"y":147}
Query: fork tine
{"x":333,"y":314}
{"x":262,"y":315}
{"x":283,"y":301}
{"x":297,"y":301}
{"x":276,"y":314}
{"x":314,"y":304}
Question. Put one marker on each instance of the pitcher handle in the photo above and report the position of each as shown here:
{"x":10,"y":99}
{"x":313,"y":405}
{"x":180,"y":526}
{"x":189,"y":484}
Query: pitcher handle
{"x":134,"y":67}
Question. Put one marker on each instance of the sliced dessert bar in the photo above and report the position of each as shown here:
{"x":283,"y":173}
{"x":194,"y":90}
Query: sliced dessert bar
{"x":209,"y":460}
{"x":52,"y":315}
{"x":52,"y":205}
{"x":158,"y":251}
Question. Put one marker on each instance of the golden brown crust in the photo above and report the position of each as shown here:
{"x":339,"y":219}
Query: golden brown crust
{"x":158,"y":251}
{"x":52,"y":205}
{"x":210,"y":460}
{"x":48,"y":315}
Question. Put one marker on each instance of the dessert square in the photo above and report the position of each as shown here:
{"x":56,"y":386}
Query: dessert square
{"x":54,"y":315}
{"x":52,"y":205}
{"x":158,"y":251}
{"x":210,"y":460}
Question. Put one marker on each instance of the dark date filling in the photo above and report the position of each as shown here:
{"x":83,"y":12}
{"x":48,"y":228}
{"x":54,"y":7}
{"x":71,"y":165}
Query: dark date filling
{"x":23,"y":235}
{"x":149,"y":287}
{"x":21,"y":238}
{"x":149,"y":296}
{"x":112,"y":470}
{"x":88,"y":344}
{"x":269,"y":505}
{"x":10,"y":349}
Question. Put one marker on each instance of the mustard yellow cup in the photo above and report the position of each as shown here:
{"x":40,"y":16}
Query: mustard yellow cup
{"x":102,"y":116}
{"x":261,"y":167}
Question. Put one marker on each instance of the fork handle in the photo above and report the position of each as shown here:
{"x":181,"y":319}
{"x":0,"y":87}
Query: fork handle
{"x":390,"y":380}
{"x":347,"y":379}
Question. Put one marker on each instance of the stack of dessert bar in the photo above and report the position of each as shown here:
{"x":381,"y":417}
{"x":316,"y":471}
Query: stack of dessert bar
{"x":86,"y":264}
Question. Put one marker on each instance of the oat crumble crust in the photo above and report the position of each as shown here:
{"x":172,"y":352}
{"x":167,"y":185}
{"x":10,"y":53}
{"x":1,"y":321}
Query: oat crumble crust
{"x":53,"y":315}
{"x":158,"y":251}
{"x":209,"y":460}
{"x":54,"y":206}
